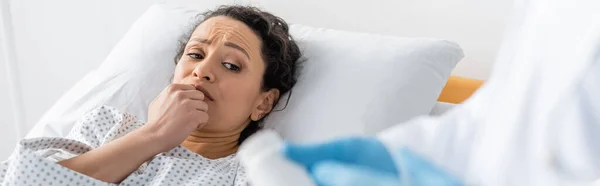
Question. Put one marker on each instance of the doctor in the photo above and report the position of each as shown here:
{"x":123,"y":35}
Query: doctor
{"x":535,"y":122}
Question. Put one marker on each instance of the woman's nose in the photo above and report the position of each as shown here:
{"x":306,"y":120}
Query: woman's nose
{"x":203,"y":70}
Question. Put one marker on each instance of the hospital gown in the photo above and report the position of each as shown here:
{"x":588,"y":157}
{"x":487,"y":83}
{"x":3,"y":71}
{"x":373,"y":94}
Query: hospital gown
{"x":34,"y":160}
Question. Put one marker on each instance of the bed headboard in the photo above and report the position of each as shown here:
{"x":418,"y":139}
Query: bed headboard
{"x":459,"y":89}
{"x":476,"y":25}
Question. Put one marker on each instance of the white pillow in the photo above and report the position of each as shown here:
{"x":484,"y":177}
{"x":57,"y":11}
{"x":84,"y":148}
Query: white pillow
{"x":358,"y":83}
{"x":351,"y":83}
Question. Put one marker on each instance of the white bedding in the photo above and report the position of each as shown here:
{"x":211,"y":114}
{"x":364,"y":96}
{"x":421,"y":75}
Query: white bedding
{"x":441,"y":107}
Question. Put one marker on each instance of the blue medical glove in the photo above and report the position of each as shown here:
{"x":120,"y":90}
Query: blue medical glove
{"x":368,"y":152}
{"x":365,"y":161}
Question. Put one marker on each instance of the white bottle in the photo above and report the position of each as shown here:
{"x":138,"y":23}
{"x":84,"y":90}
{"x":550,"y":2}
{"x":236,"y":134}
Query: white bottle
{"x":266,"y":165}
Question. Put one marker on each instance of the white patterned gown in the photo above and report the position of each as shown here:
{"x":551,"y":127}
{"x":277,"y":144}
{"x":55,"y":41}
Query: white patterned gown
{"x":34,"y":161}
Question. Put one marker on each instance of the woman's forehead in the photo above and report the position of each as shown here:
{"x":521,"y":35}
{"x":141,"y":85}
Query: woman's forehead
{"x":222,"y":29}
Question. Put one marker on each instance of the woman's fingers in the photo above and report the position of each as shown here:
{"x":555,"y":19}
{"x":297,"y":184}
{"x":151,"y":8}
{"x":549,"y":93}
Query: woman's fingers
{"x":202,"y":119}
{"x":199,"y":105}
{"x":192,"y":94}
{"x":176,"y":87}
{"x":176,"y":112}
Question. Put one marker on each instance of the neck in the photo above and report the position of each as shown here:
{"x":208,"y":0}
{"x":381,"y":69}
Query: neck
{"x":213,"y":145}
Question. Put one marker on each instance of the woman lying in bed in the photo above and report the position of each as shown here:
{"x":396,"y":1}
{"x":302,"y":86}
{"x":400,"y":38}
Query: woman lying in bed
{"x":229,"y":75}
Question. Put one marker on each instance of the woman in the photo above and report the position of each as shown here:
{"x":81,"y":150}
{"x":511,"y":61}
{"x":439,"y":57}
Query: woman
{"x":230,"y":72}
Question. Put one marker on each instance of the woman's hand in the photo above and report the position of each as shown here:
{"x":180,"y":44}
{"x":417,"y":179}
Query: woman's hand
{"x":177,"y":111}
{"x":173,"y":115}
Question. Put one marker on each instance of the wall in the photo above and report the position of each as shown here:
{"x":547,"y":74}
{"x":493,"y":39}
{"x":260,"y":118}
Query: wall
{"x":7,"y":119}
{"x":477,"y":25}
{"x":8,"y":104}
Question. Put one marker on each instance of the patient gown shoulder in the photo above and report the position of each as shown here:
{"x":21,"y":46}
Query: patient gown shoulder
{"x":103,"y":125}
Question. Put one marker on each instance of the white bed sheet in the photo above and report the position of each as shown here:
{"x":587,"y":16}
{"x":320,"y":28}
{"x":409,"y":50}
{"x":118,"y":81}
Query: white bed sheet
{"x":441,"y":108}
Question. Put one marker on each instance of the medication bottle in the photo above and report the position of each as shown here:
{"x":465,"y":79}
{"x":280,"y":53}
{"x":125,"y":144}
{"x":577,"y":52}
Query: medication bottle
{"x":266,"y":165}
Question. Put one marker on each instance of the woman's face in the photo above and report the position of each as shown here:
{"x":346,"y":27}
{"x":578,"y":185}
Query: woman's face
{"x":223,"y":58}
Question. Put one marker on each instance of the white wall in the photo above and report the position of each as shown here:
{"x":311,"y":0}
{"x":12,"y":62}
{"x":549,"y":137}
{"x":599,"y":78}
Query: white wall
{"x":7,"y":129}
{"x":477,"y":25}
{"x":8,"y":103}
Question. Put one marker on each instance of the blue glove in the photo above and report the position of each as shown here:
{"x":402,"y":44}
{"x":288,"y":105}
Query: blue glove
{"x":365,"y":161}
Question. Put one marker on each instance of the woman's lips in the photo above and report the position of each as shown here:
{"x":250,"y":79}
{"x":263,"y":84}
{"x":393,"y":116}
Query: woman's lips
{"x":205,"y":92}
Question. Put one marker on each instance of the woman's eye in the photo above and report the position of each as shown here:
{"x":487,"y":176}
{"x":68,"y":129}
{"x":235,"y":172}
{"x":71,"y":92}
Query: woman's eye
{"x":231,"y":67}
{"x":196,"y":55}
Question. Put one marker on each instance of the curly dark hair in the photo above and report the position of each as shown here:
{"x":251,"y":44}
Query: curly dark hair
{"x":279,"y":50}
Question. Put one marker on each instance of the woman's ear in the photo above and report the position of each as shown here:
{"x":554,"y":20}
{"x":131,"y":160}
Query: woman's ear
{"x":265,"y":104}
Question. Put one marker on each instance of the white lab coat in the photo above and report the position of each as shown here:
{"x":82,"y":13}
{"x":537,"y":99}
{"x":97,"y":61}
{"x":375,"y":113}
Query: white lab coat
{"x":537,"y":120}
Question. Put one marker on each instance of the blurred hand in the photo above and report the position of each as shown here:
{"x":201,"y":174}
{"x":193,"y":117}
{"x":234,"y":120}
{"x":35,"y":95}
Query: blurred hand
{"x":365,"y":161}
{"x":177,"y":111}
